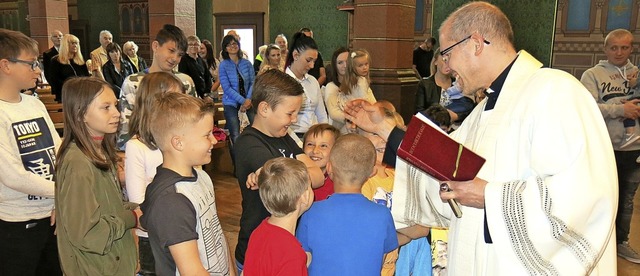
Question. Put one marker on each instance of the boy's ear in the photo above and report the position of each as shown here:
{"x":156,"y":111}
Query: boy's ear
{"x":154,"y":46}
{"x":4,"y":65}
{"x":374,"y":171}
{"x":329,"y":168}
{"x":305,"y":200}
{"x":176,"y":143}
{"x":263,"y":108}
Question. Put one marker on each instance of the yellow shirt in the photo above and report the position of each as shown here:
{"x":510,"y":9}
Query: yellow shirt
{"x":383,"y":186}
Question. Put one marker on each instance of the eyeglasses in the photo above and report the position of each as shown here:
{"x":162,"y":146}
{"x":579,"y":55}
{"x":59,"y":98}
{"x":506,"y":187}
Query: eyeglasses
{"x":232,"y":44}
{"x":446,"y":53}
{"x":194,"y":45}
{"x":34,"y":64}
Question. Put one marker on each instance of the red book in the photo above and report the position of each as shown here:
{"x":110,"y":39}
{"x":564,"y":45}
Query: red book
{"x":428,"y":148}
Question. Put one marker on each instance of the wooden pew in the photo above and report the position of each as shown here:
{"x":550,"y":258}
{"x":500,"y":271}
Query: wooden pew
{"x":57,"y":117}
{"x":53,"y":107}
{"x":47,"y":98}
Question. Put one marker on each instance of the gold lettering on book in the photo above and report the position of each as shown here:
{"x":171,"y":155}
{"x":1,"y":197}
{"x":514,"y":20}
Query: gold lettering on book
{"x":416,"y":141}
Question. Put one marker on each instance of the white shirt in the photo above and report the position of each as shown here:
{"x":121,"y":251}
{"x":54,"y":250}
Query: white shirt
{"x":312,"y":110}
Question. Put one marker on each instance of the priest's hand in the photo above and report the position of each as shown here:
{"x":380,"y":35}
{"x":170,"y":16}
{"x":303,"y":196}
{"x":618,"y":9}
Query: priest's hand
{"x":468,"y":193}
{"x":368,"y":117}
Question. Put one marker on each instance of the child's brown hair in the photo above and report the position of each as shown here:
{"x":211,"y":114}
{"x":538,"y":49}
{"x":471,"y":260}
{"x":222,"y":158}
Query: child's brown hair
{"x":78,"y":94}
{"x":282,"y":182}
{"x":318,"y":129}
{"x":272,"y":86}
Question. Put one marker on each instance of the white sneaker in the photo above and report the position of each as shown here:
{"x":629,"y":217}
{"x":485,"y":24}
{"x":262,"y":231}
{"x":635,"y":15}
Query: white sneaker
{"x":629,"y":139}
{"x":626,"y":252}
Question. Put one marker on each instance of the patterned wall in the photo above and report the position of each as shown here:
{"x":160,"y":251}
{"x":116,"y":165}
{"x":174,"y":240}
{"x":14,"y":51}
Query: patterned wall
{"x":13,"y":16}
{"x":204,"y":20}
{"x":134,"y":25}
{"x":329,"y":25}
{"x":100,"y":15}
{"x":532,"y":21}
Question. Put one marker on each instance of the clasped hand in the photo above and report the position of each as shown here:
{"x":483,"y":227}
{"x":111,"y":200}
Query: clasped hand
{"x":468,"y":193}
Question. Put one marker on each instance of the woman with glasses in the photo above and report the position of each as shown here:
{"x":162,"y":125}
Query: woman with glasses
{"x":194,"y":66}
{"x":236,"y":77}
{"x":67,"y":64}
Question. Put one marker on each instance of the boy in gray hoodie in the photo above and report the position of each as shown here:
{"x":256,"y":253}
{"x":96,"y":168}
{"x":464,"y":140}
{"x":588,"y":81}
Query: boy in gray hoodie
{"x":611,"y":82}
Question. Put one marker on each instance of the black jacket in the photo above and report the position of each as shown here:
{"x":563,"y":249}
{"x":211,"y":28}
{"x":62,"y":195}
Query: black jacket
{"x":115,"y":78}
{"x":46,"y":62}
{"x":197,"y":70}
{"x":61,"y":72}
{"x":142,"y":64}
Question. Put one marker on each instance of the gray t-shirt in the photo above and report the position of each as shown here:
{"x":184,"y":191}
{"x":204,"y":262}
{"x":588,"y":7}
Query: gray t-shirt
{"x":180,"y":209}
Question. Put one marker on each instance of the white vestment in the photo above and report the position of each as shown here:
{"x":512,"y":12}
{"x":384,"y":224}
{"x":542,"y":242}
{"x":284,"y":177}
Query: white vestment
{"x":552,"y":195}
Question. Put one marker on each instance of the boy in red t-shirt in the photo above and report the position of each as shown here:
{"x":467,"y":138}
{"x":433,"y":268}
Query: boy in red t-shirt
{"x":318,"y":142}
{"x":285,"y":190}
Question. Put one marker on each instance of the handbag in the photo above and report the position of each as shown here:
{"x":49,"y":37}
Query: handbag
{"x":244,"y":120}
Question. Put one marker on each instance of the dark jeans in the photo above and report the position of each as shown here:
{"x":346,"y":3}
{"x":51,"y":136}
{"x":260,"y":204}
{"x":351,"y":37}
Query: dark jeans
{"x":28,"y":248}
{"x":233,"y":122}
{"x":147,"y":263}
{"x":628,"y":180}
{"x":233,"y":125}
{"x":628,"y":123}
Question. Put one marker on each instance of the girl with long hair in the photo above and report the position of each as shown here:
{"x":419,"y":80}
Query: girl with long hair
{"x":142,"y":153}
{"x":271,"y":60}
{"x":335,"y":97}
{"x":93,"y":222}
{"x":206,"y":52}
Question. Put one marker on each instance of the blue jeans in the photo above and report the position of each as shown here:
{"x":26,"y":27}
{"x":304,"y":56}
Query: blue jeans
{"x":233,"y":122}
{"x":240,"y":267}
{"x":628,"y":179}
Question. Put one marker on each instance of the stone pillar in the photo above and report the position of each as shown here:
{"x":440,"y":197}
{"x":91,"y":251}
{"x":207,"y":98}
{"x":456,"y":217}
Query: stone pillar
{"x":45,"y":16}
{"x":385,"y":28}
{"x":181,"y":13}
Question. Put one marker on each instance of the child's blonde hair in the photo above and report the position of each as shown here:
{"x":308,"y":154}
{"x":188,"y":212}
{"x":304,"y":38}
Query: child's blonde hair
{"x":352,"y":159}
{"x":174,"y":111}
{"x":282,"y":182}
{"x":151,"y":84}
{"x":351,"y":78}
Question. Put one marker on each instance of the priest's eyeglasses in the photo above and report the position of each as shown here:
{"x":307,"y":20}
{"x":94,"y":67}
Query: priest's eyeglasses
{"x":446,"y":53}
{"x":34,"y":64}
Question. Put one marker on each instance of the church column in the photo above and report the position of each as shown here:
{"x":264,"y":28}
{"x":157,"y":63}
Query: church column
{"x":386,"y":28}
{"x":181,"y":13}
{"x":45,"y":16}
